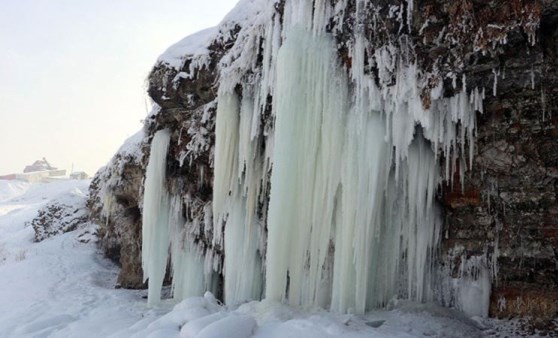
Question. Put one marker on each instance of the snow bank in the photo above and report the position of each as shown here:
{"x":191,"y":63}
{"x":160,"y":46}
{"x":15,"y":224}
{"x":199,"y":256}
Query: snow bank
{"x":202,"y":317}
{"x":11,"y":189}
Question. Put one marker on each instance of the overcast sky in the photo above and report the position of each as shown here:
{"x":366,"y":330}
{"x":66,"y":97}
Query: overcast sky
{"x":72,"y":73}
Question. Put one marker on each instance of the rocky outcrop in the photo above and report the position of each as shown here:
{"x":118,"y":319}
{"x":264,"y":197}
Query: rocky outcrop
{"x":115,"y":202}
{"x":63,"y":214}
{"x":501,"y":211}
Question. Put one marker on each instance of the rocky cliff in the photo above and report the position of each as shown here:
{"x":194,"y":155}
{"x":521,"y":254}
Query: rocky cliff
{"x":498,"y":196}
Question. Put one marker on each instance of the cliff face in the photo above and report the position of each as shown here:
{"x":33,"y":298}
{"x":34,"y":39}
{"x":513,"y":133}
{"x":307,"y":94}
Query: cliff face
{"x":506,"y":208}
{"x":499,"y":210}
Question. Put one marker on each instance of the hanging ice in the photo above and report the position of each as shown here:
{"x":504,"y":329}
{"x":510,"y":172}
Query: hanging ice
{"x":238,"y":175}
{"x":189,"y":274}
{"x":341,"y":224}
{"x":351,"y":158}
{"x":311,"y":111}
{"x":156,"y":208}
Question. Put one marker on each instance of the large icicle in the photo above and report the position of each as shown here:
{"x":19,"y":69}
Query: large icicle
{"x":156,"y":208}
{"x":238,"y":175}
{"x":189,"y":278}
{"x":310,"y":101}
{"x":359,"y":230}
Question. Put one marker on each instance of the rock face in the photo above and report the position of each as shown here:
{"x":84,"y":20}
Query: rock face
{"x":501,"y":212}
{"x":505,"y":210}
{"x":114,"y":203}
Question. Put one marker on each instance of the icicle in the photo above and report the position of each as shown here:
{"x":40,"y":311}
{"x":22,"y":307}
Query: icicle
{"x":155,"y":230}
{"x":226,"y":160}
{"x":238,"y":177}
{"x":189,"y":277}
{"x":474,"y":286}
{"x":310,"y":105}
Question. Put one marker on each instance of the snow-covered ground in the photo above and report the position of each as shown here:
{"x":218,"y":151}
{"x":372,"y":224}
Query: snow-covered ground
{"x":63,"y":287}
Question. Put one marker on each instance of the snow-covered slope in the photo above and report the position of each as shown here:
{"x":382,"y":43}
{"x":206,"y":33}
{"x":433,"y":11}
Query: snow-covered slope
{"x":60,"y":287}
{"x":11,"y":189}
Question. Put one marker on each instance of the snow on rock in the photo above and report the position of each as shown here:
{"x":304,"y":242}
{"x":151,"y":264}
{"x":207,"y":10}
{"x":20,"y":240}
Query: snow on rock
{"x":62,"y":214}
{"x":115,"y":192}
{"x":108,"y":178}
{"x":193,"y":45}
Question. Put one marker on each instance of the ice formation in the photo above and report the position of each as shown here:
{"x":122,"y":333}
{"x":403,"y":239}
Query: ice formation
{"x":350,"y":220}
{"x":166,"y":231}
{"x":156,"y":207}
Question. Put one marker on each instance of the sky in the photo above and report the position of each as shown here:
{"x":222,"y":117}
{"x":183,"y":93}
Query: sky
{"x":73,"y":73}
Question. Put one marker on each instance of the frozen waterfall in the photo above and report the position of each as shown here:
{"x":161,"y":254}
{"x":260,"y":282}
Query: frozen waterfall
{"x":325,"y":178}
{"x":165,"y":231}
{"x":156,"y":207}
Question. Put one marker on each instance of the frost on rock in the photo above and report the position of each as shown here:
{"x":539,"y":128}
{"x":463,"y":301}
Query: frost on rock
{"x":62,"y":214}
{"x":113,"y":176}
{"x":114,"y":204}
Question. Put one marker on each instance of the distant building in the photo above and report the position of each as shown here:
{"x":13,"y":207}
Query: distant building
{"x":41,"y":171}
{"x":40,"y":165}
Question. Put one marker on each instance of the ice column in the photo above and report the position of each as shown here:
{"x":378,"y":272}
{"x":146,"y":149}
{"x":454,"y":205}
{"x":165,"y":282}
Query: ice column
{"x":156,"y":207}
{"x":189,"y":277}
{"x":238,"y":178}
{"x":310,"y":101}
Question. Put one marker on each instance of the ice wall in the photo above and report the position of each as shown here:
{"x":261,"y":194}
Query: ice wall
{"x":352,"y":220}
{"x":345,"y":227}
{"x":325,"y":172}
